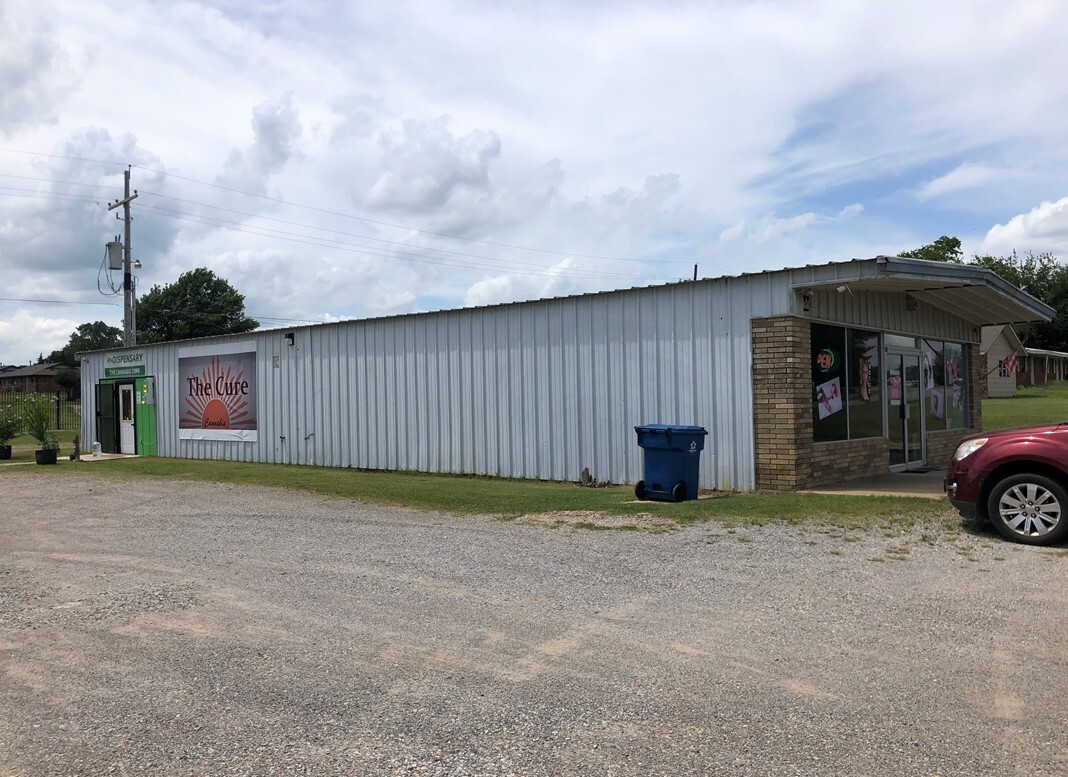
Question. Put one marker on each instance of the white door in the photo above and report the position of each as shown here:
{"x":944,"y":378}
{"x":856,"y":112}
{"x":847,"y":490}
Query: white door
{"x":126,"y":419}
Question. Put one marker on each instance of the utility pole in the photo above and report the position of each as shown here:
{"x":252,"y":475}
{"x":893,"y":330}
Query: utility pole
{"x":129,"y":333}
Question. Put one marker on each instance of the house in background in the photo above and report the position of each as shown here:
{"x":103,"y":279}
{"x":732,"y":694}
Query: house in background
{"x":1004,"y":353}
{"x":37,"y":378}
{"x":1039,"y":367}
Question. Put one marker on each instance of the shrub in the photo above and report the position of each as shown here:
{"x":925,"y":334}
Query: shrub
{"x":39,"y":423}
{"x":10,"y":425}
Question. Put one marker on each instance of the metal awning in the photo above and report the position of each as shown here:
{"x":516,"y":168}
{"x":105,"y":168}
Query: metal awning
{"x":975,"y":294}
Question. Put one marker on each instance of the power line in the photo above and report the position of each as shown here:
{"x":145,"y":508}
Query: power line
{"x":351,"y":248}
{"x":288,"y":320}
{"x":593,"y":273}
{"x":56,"y":180}
{"x":56,"y":302}
{"x":64,"y":156}
{"x":50,"y":196}
{"x":309,"y":239}
{"x":510,"y":265}
{"x":392,"y":225}
{"x":331,"y":212}
{"x":204,"y":316}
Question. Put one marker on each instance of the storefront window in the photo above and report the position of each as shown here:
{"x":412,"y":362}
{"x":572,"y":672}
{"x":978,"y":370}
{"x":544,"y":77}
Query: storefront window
{"x":956,"y":386}
{"x":899,"y":341}
{"x":846,"y":380}
{"x":945,"y":381}
{"x":934,"y":383}
{"x":864,"y":379}
{"x":828,"y":383}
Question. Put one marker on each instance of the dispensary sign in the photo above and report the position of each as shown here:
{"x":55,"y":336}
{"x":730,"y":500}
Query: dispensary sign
{"x":125,"y":365}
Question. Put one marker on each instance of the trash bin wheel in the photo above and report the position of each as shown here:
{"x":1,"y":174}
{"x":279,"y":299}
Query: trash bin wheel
{"x":678,"y":493}
{"x":639,"y":489}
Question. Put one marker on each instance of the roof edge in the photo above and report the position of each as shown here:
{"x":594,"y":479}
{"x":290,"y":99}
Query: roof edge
{"x":900,"y":265}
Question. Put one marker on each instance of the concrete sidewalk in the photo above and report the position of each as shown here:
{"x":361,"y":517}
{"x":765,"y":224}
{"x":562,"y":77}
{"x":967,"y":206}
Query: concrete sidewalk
{"x":927,"y":484}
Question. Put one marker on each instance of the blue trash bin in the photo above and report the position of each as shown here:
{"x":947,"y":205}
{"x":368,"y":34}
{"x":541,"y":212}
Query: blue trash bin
{"x":672,"y":461}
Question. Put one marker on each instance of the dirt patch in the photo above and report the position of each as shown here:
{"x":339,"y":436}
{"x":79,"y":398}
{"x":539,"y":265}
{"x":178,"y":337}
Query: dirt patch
{"x":592,"y":519}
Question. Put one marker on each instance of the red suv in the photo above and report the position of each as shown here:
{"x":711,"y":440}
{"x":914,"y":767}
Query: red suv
{"x":1016,"y":478}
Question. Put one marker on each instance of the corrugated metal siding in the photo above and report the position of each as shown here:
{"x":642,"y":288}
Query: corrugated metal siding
{"x":886,"y":313}
{"x":533,"y":390}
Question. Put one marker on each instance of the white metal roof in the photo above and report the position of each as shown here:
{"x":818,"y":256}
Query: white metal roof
{"x":975,"y":294}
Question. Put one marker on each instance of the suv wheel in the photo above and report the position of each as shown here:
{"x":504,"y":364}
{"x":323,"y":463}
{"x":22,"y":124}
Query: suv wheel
{"x":1029,"y":509}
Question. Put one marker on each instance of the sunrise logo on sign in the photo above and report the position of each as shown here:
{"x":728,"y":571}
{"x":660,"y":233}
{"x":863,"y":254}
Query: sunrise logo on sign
{"x":218,"y":392}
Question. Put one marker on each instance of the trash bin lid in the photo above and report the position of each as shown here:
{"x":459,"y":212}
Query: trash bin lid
{"x":672,"y":428}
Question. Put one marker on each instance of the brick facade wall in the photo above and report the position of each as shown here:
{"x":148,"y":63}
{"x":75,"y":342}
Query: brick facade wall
{"x":782,"y":402}
{"x":787,"y":458}
{"x":833,"y":462}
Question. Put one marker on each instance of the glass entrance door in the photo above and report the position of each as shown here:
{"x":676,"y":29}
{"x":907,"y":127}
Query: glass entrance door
{"x":127,"y":439}
{"x":904,"y":405}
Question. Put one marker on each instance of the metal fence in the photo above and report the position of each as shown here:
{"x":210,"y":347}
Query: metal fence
{"x":68,"y":412}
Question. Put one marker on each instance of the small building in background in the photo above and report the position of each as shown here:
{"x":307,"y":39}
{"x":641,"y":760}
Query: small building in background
{"x":1003,"y":351}
{"x":36,"y":378}
{"x":1039,"y":367}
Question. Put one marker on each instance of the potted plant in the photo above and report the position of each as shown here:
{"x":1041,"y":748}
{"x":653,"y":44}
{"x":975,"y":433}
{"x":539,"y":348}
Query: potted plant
{"x":39,"y":425}
{"x":10,"y":426}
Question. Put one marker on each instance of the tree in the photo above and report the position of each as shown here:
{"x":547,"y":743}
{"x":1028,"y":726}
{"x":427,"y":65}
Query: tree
{"x":198,"y":304}
{"x":1037,"y":275}
{"x":70,"y":381}
{"x":945,"y":249}
{"x":1042,"y":276}
{"x":96,"y":336}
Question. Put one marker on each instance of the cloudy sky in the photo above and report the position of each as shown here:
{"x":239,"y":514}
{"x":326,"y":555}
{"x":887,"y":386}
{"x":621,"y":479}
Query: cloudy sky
{"x":344,"y":160}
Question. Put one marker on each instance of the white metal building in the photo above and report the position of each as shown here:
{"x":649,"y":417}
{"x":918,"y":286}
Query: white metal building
{"x":546,"y":388}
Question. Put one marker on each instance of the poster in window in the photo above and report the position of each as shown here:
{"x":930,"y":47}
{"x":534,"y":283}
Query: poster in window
{"x":830,"y":361}
{"x":865,"y":380}
{"x":893,"y":385}
{"x":829,"y":397}
{"x":938,"y":403}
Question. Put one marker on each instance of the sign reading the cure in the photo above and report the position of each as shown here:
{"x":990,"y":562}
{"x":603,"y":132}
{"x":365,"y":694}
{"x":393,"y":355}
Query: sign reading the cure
{"x":218,"y":394}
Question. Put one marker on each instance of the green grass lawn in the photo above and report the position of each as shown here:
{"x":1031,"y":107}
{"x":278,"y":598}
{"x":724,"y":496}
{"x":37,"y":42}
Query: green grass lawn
{"x":23,"y":446}
{"x":512,"y":499}
{"x":1031,"y":406}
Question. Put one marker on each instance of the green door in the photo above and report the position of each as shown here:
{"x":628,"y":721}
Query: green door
{"x":107,"y":425}
{"x":145,"y":415}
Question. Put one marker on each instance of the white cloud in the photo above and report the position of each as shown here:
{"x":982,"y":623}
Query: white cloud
{"x":26,"y":336}
{"x":732,"y":232}
{"x":625,"y":141}
{"x":276,"y":130}
{"x":1043,"y":229}
{"x":771,"y":227}
{"x":506,"y":288}
{"x":34,"y":71}
{"x":961,"y":178}
{"x":424,"y":165}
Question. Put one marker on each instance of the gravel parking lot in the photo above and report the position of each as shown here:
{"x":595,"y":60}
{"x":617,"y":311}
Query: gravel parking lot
{"x":190,"y":628}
